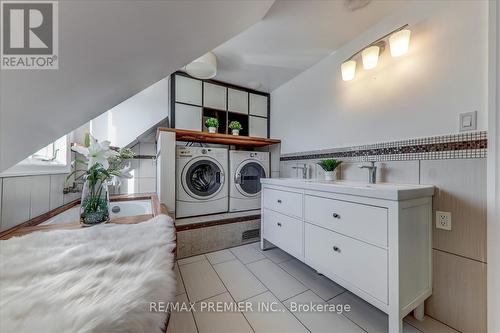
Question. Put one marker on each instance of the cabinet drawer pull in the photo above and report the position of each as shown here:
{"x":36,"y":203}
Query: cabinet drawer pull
{"x":336,"y":216}
{"x":279,"y":224}
{"x":336,"y":249}
{"x":279,"y":200}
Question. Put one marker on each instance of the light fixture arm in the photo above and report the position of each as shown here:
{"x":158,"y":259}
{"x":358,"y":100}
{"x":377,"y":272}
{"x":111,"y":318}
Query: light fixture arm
{"x":379,"y":42}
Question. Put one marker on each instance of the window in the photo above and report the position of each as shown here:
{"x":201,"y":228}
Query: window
{"x":46,"y":154}
{"x":51,"y":159}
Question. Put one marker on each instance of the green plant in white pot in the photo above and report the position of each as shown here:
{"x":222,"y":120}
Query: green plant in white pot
{"x":235,"y":127}
{"x":212,"y":124}
{"x":329,"y":167}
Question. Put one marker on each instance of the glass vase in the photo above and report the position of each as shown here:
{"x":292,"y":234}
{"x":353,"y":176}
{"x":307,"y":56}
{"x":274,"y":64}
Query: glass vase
{"x":94,"y":207}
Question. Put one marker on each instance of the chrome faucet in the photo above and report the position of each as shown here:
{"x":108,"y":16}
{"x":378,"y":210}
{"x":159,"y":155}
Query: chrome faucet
{"x":305,"y":170}
{"x":372,"y":172}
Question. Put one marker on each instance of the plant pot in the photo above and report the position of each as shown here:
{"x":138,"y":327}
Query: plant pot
{"x":212,"y":130}
{"x":235,"y":132}
{"x":94,"y":206}
{"x":329,"y":175}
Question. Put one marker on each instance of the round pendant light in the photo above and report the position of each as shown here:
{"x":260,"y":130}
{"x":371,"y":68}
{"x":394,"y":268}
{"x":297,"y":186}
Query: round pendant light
{"x":205,"y":67}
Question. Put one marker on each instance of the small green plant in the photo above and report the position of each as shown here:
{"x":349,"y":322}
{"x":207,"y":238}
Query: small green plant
{"x":235,"y":125}
{"x":330,"y":164}
{"x":212,"y":122}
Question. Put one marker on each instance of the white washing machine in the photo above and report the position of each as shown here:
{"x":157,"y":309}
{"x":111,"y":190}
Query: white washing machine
{"x":201,"y":181}
{"x":246,"y":169}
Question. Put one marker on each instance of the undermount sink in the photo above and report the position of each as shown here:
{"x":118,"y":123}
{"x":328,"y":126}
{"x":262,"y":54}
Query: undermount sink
{"x":344,"y":183}
{"x":389,"y":191}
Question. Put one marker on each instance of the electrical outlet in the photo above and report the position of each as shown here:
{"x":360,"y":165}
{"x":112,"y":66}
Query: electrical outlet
{"x":443,"y":220}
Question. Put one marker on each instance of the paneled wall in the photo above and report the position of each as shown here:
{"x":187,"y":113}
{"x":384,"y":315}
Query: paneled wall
{"x":23,"y":198}
{"x":459,"y":255}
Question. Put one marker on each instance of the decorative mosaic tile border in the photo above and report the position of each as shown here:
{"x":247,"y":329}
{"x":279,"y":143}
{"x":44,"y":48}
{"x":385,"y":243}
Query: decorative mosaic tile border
{"x":463,"y":145}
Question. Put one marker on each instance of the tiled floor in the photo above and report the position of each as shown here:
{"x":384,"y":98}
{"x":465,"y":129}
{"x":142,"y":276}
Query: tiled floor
{"x":246,"y":273}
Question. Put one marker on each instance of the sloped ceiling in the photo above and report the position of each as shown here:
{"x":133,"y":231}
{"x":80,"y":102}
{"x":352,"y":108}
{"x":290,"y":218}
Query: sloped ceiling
{"x":293,"y":36}
{"x":108,"y":51}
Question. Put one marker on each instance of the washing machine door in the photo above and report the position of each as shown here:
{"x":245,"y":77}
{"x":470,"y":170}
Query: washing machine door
{"x":247,"y":178}
{"x":202,"y":178}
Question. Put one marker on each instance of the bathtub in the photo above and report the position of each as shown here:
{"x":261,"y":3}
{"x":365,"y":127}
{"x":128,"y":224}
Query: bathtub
{"x":130,"y":208}
{"x":116,"y":209}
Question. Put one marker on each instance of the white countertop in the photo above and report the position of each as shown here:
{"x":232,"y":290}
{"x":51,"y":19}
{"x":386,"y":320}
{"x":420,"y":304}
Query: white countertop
{"x":386,"y":191}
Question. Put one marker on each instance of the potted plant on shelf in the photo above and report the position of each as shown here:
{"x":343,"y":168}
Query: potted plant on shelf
{"x":212,"y":124}
{"x":104,"y":166}
{"x":235,"y":127}
{"x":329,"y":167}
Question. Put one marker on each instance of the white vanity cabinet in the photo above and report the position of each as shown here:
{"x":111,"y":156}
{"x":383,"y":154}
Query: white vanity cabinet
{"x":374,"y":240}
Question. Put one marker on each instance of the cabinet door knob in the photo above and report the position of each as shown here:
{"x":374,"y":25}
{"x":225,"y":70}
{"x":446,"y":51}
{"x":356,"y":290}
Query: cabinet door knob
{"x":279,"y":224}
{"x":336,"y":216}
{"x":336,"y":249}
{"x":279,"y":200}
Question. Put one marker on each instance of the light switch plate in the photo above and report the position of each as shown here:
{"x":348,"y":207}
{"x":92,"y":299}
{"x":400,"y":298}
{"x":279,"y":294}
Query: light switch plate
{"x":443,"y":220}
{"x":468,"y":121}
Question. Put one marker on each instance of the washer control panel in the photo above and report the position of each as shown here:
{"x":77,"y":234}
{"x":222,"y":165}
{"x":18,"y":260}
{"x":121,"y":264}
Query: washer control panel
{"x":183,"y":152}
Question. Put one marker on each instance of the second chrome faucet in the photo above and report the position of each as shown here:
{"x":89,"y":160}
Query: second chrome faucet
{"x":372,"y":172}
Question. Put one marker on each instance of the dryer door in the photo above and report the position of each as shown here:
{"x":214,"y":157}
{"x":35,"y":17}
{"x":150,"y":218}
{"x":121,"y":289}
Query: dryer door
{"x":247,"y":178}
{"x":202,"y":178}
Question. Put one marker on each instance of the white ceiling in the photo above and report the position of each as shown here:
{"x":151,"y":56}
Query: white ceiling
{"x":108,"y":51}
{"x":293,"y":36}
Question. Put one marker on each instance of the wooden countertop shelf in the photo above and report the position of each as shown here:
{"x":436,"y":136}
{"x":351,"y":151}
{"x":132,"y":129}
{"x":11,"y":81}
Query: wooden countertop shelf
{"x":225,"y":139}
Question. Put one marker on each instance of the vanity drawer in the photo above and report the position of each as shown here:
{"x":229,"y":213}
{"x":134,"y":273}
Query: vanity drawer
{"x":289,"y":203}
{"x":363,"y":222}
{"x":283,"y":231}
{"x":359,"y":264}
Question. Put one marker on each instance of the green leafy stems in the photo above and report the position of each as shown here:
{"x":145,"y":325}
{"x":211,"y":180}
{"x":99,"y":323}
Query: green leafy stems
{"x":329,"y":164}
{"x":235,"y":125}
{"x":212,"y":122}
{"x":95,"y":205}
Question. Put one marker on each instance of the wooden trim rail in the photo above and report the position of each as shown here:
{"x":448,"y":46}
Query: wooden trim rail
{"x":225,"y":139}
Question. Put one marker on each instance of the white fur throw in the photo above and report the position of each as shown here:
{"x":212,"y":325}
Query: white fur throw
{"x":97,"y":279}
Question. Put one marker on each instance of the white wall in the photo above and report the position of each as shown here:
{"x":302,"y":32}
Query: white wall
{"x":494,"y":171}
{"x":128,"y":120}
{"x":419,"y":94}
{"x":142,"y":170}
{"x":108,"y":51}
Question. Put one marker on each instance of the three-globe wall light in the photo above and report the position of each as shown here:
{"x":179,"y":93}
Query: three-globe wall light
{"x":399,"y":41}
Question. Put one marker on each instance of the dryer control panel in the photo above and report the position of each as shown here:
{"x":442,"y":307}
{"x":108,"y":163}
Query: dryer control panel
{"x":259,"y":156}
